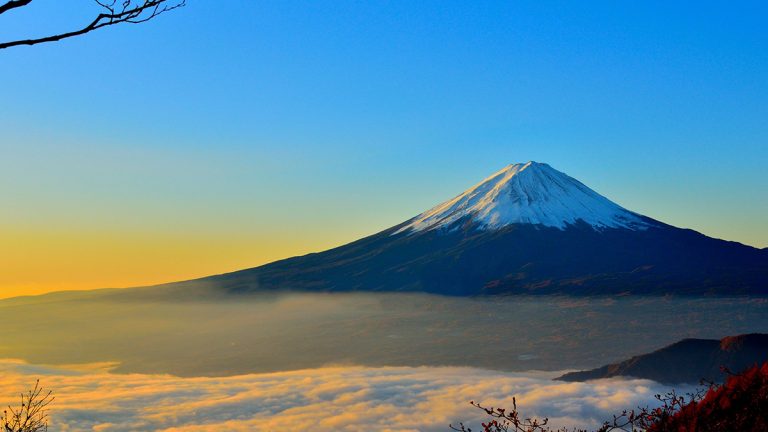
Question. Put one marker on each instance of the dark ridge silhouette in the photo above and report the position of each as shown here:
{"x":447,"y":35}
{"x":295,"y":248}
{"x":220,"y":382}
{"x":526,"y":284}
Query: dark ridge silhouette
{"x":687,"y":361}
{"x":519,"y":259}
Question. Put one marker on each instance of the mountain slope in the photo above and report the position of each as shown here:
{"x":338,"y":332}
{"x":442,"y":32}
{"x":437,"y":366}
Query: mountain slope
{"x":526,"y":229}
{"x":687,"y":361}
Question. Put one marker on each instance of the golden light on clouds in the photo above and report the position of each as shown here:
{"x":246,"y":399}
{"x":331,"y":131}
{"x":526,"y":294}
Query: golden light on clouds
{"x":332,"y":399}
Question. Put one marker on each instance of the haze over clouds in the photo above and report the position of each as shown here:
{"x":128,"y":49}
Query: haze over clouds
{"x":90,"y":398}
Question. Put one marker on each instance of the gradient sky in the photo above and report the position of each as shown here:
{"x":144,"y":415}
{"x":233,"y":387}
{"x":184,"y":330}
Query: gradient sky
{"x":231,"y":133}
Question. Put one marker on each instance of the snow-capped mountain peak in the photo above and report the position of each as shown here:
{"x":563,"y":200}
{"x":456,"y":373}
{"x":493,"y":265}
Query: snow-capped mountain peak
{"x":528,"y":193}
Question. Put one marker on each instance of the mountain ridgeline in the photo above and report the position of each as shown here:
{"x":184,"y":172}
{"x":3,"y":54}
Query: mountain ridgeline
{"x":527,"y":229}
{"x":687,"y":361}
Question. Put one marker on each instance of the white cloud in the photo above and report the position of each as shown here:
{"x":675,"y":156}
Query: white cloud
{"x":324,"y":399}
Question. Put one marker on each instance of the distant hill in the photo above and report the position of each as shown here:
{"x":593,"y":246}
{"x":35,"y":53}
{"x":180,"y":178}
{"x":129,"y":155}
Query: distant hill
{"x":527,"y":229}
{"x":687,"y":361}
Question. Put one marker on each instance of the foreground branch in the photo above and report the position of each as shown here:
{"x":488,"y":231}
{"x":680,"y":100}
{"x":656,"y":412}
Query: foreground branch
{"x":32,"y":413}
{"x":126,"y":12}
{"x":13,"y":4}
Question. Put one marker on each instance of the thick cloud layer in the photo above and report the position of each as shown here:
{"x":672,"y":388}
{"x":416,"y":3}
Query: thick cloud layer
{"x":325,"y":399}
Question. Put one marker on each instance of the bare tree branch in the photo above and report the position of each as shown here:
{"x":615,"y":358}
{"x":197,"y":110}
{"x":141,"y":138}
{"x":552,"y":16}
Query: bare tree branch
{"x":125,"y":12}
{"x":13,"y":4}
{"x":32,"y":413}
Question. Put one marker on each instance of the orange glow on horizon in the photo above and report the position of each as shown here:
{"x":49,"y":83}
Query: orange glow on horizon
{"x":38,"y":262}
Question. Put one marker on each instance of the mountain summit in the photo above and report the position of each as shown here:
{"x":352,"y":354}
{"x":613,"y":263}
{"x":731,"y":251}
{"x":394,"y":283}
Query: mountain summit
{"x":529,"y":193}
{"x":527,"y":229}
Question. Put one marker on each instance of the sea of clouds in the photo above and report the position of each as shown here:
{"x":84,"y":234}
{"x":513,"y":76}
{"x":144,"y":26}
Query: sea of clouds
{"x":349,"y":398}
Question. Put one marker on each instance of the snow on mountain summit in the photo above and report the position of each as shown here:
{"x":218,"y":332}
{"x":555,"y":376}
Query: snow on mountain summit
{"x":529,"y":193}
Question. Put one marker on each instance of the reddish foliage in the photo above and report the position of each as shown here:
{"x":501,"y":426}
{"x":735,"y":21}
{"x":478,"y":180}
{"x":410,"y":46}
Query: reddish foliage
{"x":741,"y":404}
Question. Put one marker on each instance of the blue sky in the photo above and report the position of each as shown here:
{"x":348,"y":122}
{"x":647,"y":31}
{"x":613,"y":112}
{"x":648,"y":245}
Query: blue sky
{"x":243,"y":124}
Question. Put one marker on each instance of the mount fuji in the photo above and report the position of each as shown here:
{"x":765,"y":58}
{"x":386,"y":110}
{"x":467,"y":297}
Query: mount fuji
{"x":527,"y":229}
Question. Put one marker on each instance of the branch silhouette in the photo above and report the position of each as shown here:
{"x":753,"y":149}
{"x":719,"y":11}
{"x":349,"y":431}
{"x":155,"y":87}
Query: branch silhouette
{"x":13,"y":4}
{"x":32,"y":413}
{"x":126,"y":11}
